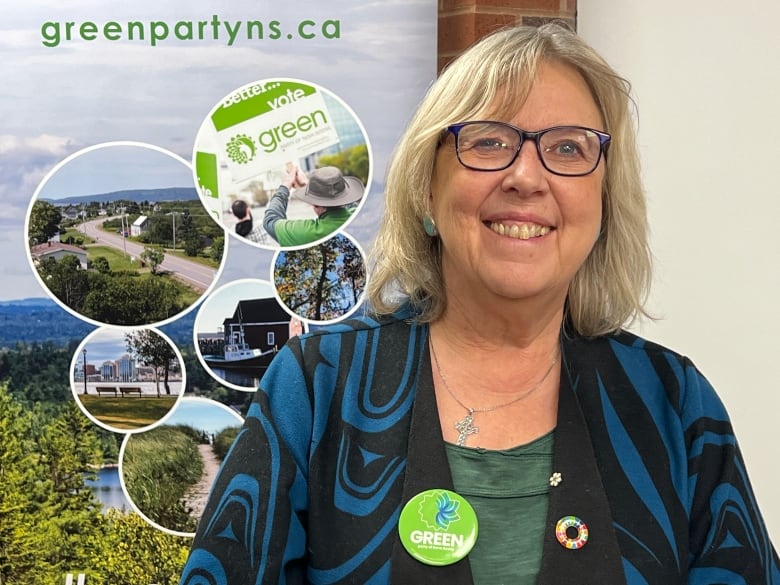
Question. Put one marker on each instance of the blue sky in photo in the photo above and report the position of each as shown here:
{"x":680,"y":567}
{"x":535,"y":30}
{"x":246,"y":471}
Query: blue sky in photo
{"x":221,"y":303}
{"x":105,"y":344}
{"x":203,"y":414}
{"x":116,"y":167}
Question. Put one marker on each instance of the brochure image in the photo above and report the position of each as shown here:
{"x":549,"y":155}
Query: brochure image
{"x":169,"y":171}
{"x":116,"y":258}
{"x":274,"y":130}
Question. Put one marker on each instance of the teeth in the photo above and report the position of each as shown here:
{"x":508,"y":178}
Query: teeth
{"x":524,"y":231}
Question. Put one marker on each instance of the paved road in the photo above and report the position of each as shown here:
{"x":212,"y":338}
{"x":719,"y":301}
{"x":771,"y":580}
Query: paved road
{"x":196,"y":275}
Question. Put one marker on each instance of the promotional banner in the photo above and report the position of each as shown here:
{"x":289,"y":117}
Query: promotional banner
{"x":185,"y":186}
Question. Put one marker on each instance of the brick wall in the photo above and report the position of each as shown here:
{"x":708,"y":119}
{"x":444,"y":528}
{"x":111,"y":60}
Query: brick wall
{"x":461,"y":22}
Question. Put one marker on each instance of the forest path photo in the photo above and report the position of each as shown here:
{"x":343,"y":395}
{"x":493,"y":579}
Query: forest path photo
{"x":195,"y":498}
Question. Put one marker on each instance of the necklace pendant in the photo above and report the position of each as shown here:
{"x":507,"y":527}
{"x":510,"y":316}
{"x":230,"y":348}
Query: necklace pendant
{"x":466,"y":427}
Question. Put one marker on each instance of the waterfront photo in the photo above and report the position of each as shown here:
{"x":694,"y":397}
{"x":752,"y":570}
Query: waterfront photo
{"x":127,"y":380}
{"x":239,"y":329}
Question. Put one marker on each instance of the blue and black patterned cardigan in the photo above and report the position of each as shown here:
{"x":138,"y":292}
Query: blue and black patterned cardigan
{"x":345,"y":430}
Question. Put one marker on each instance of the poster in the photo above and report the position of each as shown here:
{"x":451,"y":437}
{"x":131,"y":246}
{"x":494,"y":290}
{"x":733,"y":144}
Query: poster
{"x":142,"y":293}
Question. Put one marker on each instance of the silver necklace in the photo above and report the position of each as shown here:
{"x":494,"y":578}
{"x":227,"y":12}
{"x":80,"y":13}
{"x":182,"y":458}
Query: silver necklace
{"x":465,"y":426}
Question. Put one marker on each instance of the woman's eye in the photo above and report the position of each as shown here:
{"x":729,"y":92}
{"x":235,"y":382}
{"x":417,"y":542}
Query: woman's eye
{"x":488,"y":144}
{"x":568,"y":149}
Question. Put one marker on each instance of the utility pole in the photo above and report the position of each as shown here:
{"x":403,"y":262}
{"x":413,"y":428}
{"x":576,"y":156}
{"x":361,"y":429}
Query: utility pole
{"x":84,"y":352}
{"x":124,"y":239}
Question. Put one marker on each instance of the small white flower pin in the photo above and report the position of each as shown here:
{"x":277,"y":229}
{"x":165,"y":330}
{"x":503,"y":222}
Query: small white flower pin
{"x":555,"y":479}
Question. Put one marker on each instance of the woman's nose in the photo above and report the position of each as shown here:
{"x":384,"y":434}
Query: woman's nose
{"x":526,"y":173}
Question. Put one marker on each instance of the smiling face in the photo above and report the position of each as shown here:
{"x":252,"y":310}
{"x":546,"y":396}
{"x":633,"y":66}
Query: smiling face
{"x":523,"y":232}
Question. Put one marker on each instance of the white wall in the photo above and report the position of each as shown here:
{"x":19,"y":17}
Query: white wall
{"x":706,"y":78}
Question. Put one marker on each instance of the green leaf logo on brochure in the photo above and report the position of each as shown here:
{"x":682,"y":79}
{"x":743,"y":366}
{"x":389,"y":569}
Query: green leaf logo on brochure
{"x":276,"y":118}
{"x":241,"y":149}
{"x":282,"y":163}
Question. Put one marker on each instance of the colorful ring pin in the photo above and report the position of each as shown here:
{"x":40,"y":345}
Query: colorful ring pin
{"x":571,"y":523}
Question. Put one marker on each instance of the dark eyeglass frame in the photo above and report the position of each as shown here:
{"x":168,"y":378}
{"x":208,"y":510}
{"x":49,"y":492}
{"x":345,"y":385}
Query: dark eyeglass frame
{"x":604,"y":140}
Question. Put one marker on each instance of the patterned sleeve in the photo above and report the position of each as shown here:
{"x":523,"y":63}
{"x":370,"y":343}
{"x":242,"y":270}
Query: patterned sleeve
{"x":728,"y":539}
{"x":253,"y":529}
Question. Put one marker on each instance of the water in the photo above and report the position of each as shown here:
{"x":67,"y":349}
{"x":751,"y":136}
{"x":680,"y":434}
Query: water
{"x":147,"y":388}
{"x":108,"y":489}
{"x":246,"y":377}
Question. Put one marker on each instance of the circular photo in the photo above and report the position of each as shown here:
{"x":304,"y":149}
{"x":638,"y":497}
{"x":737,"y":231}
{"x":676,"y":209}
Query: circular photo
{"x":282,"y":163}
{"x":321,"y":283}
{"x":117,"y":235}
{"x":238,"y":330}
{"x":167,"y":472}
{"x":127,"y":380}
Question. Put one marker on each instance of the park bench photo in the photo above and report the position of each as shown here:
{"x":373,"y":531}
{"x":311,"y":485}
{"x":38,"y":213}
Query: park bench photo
{"x":106,"y":390}
{"x":130,"y":390}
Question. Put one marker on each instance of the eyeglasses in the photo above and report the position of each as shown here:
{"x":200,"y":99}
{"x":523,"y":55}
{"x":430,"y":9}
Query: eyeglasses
{"x":570,"y":151}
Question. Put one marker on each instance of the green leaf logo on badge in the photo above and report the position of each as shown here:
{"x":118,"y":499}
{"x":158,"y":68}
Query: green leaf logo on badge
{"x":438,"y":527}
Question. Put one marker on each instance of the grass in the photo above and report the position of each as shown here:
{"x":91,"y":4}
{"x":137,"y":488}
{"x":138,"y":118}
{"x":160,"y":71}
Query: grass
{"x":128,"y":412}
{"x":119,"y":262}
{"x":224,"y":440}
{"x":200,"y":259}
{"x":187,"y":295}
{"x":158,"y":466}
{"x":116,"y":258}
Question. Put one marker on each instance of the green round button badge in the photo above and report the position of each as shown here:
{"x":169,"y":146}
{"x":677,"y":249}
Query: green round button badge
{"x":438,"y":527}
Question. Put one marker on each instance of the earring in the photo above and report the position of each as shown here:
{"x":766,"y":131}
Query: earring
{"x":430,"y":226}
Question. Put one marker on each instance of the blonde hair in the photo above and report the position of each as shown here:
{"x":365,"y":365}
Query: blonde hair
{"x":611,"y":286}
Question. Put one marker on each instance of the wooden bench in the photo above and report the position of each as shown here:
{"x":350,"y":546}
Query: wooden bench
{"x":106,"y":390}
{"x":130,"y":390}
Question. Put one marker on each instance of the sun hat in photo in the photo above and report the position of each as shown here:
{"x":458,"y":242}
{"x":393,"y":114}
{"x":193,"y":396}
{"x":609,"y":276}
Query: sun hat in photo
{"x":327,"y":187}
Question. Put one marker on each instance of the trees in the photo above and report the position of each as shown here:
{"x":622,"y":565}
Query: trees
{"x":130,"y":550}
{"x":34,"y":373}
{"x":188,"y":233}
{"x":153,"y":256}
{"x":18,"y":536}
{"x":50,"y":522}
{"x":101,"y":265}
{"x":217,"y":248}
{"x":351,"y":161}
{"x":45,"y":508}
{"x":124,"y":299}
{"x":152,"y":350}
{"x":118,"y":298}
{"x":160,"y":230}
{"x":65,"y":279}
{"x":352,"y":271}
{"x":44,"y":223}
{"x":322,"y":282}
{"x":69,"y":452}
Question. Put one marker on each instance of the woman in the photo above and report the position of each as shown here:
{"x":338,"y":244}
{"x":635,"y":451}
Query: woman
{"x":494,"y":375}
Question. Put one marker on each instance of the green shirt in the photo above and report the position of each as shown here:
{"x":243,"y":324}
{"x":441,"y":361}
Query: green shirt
{"x":294,"y":232}
{"x":509,"y":493}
